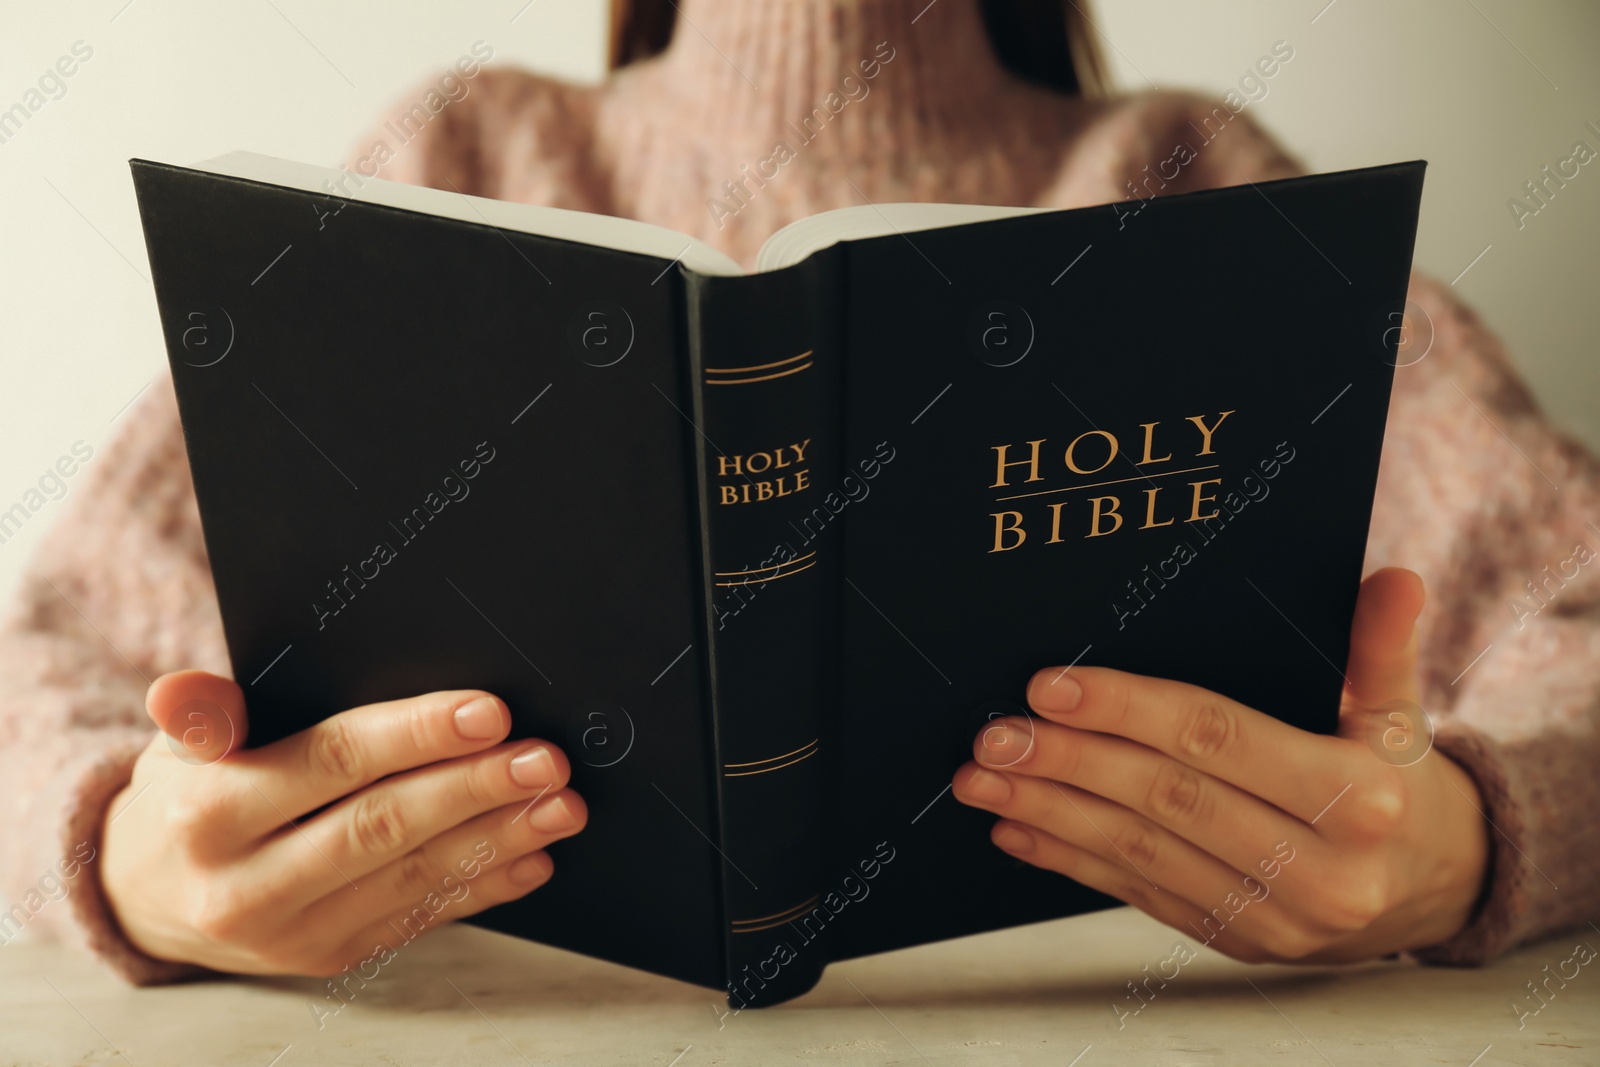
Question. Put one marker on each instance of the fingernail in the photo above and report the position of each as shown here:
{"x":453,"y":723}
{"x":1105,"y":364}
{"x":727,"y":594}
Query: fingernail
{"x":534,"y":767}
{"x":479,"y":720}
{"x":987,"y":787}
{"x":1010,"y":839}
{"x":1061,"y":693}
{"x":530,"y":869}
{"x":1004,"y":744}
{"x":552,"y":816}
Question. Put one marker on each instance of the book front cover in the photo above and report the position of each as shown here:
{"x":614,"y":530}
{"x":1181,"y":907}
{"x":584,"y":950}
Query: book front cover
{"x":1147,"y":443}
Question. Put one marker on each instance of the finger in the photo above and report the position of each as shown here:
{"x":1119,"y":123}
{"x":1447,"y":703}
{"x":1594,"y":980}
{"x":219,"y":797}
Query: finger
{"x":1289,"y":768}
{"x":385,"y":821}
{"x":1050,"y":853}
{"x":1229,"y":823}
{"x":202,"y":714}
{"x":459,"y":855}
{"x":366,"y":953}
{"x":1384,"y":640}
{"x":1123,"y":838}
{"x":349,"y":751}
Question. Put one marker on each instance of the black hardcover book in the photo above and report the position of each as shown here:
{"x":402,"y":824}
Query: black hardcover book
{"x":765,"y":551}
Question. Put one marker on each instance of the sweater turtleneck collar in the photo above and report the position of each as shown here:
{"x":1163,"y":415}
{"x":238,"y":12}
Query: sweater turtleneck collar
{"x":753,"y":71}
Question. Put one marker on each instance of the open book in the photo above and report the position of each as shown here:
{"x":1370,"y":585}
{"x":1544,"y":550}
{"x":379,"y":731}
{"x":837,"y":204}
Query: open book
{"x":765,"y":552}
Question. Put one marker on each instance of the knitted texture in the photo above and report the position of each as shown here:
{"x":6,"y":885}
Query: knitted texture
{"x":875,"y":101}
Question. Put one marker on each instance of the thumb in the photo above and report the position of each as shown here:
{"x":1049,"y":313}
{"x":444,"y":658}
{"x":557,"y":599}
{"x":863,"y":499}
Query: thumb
{"x":203,"y":715}
{"x":1383,"y":638}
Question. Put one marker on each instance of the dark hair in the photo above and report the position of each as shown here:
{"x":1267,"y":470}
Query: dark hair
{"x":1040,"y":41}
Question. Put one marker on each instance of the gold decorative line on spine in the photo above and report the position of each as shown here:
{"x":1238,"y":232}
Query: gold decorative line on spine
{"x":768,"y":926}
{"x":768,"y":567}
{"x":740,"y":925}
{"x":764,"y":770}
{"x":779,"y":914}
{"x":1114,"y":481}
{"x":774,"y":759}
{"x":771,"y":577}
{"x":758,"y":366}
{"x":761,"y":378}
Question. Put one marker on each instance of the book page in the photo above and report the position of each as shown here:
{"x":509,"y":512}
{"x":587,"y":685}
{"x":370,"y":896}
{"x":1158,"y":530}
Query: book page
{"x":606,"y":231}
{"x":799,"y":239}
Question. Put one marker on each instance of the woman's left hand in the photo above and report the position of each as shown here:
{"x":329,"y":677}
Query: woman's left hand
{"x":1267,"y":842}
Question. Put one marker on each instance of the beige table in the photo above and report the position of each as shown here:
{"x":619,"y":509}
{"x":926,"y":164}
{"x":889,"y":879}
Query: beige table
{"x":1039,"y":994}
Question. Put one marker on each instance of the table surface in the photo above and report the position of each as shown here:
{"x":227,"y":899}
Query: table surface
{"x":1037,"y":994}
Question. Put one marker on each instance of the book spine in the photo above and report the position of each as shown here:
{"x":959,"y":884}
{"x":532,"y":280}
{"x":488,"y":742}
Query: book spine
{"x":765,"y":355}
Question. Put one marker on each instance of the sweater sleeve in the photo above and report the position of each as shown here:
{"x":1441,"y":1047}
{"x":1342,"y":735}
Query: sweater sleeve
{"x":1500,"y":514}
{"x":119,"y":593}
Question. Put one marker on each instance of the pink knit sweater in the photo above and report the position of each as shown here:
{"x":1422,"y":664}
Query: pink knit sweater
{"x":1476,"y":491}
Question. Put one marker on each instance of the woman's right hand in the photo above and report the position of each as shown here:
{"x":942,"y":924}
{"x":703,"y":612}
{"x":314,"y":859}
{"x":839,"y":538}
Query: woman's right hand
{"x":309,"y":854}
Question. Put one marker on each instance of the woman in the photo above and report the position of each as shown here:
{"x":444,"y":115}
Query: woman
{"x":250,"y":864}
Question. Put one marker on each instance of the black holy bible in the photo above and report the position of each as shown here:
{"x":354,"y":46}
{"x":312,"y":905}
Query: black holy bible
{"x":764,"y":551}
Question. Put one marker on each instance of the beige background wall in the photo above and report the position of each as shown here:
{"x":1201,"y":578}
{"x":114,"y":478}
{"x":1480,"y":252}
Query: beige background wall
{"x":1488,"y":91}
